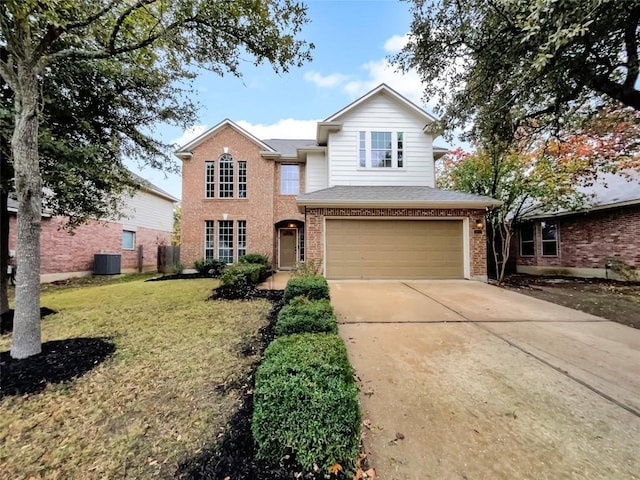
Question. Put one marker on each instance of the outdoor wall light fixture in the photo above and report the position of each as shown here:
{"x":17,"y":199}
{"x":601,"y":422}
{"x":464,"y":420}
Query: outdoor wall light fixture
{"x":479,"y":223}
{"x":291,"y":225}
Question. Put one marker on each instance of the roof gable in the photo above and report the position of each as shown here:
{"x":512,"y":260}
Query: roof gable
{"x":383,"y":89}
{"x":186,"y":150}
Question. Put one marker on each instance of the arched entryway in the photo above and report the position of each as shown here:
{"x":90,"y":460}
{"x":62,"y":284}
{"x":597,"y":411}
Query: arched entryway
{"x":289,"y":243}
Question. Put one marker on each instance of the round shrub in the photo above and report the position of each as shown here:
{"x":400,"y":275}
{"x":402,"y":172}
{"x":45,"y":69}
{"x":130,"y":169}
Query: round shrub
{"x":302,"y":315}
{"x":306,"y":402}
{"x":314,"y":287}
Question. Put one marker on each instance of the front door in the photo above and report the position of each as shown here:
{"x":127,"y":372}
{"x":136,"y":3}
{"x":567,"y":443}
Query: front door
{"x":288,"y":240}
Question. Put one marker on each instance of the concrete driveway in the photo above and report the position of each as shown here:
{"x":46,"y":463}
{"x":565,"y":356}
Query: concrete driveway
{"x":465,"y":380}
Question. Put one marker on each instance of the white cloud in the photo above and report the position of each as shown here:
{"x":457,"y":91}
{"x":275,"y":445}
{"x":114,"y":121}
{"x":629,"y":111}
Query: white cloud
{"x":189,"y":134}
{"x":407,"y":84}
{"x":325,"y":81}
{"x":396,"y":43}
{"x":285,"y":128}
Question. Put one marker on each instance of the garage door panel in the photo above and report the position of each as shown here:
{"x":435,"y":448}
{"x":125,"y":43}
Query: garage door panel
{"x":388,"y":249}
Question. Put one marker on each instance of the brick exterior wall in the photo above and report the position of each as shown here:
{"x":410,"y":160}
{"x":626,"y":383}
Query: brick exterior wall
{"x":586,"y":240}
{"x":261,"y":209}
{"x":65,"y":253}
{"x":477,"y":238}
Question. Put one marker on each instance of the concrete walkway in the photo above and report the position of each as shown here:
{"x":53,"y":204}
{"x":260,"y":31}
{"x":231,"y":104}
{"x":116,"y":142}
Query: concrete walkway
{"x":465,"y":380}
{"x":277,"y":281}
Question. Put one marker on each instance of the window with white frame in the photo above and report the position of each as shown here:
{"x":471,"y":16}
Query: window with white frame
{"x":289,"y":179}
{"x":128,"y":240}
{"x":301,"y":244}
{"x":225,"y":169}
{"x":209,"y":179}
{"x":527,"y":240}
{"x":209,"y":236}
{"x":381,"y":149}
{"x":225,"y":240}
{"x":549,"y":232}
{"x":242,"y":179}
{"x":242,"y":238}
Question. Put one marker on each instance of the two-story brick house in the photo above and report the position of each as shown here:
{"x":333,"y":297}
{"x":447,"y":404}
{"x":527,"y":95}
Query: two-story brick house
{"x":359,"y":198}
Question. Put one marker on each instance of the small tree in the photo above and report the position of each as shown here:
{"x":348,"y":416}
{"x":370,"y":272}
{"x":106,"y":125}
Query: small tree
{"x":523,"y":183}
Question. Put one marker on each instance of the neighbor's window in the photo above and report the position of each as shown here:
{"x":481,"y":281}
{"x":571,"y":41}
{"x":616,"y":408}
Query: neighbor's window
{"x":242,"y":179}
{"x":209,"y":179}
{"x":208,"y":239}
{"x":225,"y":240}
{"x":549,"y":239}
{"x":380,"y":149}
{"x":242,"y":238}
{"x":527,"y":243}
{"x":225,"y":189}
{"x":289,"y":179}
{"x":128,"y":240}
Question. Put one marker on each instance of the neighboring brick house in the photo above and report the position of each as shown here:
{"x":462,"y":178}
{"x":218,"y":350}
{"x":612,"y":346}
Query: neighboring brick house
{"x":584,"y":243}
{"x":148,"y":222}
{"x":359,"y":199}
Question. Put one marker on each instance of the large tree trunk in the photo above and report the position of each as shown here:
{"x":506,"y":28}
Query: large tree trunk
{"x":26,"y":339}
{"x":4,"y":244}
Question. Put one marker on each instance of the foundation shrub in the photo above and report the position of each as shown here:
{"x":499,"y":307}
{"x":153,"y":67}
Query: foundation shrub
{"x":306,"y":403}
{"x":210,"y":266}
{"x":314,"y":287}
{"x":302,"y":315}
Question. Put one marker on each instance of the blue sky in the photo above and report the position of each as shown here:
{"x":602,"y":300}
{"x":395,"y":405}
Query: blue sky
{"x":352,"y":38}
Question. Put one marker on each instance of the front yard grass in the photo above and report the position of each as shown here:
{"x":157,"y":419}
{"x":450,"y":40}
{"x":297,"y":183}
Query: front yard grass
{"x":150,"y":406}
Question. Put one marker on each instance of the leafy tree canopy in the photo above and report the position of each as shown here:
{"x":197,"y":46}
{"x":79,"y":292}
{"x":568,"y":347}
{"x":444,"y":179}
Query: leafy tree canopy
{"x":499,"y":63}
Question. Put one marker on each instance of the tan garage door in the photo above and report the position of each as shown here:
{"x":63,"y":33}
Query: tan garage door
{"x":400,"y":249}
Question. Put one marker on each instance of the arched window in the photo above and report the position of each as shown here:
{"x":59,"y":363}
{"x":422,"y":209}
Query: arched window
{"x":225,"y":171}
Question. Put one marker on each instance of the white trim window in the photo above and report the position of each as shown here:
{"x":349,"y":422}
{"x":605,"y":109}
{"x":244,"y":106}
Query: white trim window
{"x":209,"y":179}
{"x":128,"y":240}
{"x":549,"y":233}
{"x":209,"y":236}
{"x":290,"y":179}
{"x":225,"y":185}
{"x":381,"y":150}
{"x":225,"y":240}
{"x":242,"y":238}
{"x":242,"y":179}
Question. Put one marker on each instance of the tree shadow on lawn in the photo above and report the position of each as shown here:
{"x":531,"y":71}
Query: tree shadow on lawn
{"x":59,"y":361}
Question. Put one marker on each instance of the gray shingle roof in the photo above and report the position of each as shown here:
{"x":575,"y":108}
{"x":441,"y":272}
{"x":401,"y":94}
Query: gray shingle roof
{"x":289,"y":147}
{"x":394,"y":196}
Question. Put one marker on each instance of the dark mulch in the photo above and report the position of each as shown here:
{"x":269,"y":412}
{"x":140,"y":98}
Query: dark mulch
{"x":180,"y":276}
{"x":232,"y":455}
{"x":6,"y":319}
{"x":59,"y":361}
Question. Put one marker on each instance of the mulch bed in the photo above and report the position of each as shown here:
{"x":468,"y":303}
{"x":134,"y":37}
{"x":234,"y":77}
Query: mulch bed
{"x":59,"y":361}
{"x":232,"y":455}
{"x":6,"y":319}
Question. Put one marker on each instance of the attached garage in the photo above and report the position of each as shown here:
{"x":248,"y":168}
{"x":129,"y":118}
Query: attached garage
{"x":396,"y":232}
{"x":394,"y":249}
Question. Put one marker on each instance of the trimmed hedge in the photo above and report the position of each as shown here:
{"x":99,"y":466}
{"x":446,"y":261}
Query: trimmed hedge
{"x":306,"y":402}
{"x":314,"y":287}
{"x":255,"y":258}
{"x":210,"y":266}
{"x":239,"y":279}
{"x":302,"y":315}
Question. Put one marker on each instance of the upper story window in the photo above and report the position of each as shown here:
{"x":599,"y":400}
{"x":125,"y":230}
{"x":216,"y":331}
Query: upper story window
{"x":289,"y":179}
{"x":209,"y":179}
{"x":225,"y":186}
{"x":380,"y":149}
{"x":549,"y":239}
{"x":242,"y":179}
{"x":527,"y":243}
{"x":225,"y":183}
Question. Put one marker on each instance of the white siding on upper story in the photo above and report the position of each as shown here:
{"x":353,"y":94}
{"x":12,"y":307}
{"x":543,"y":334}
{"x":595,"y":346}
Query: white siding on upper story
{"x":147,"y":210}
{"x":316,"y":172}
{"x":381,"y":114}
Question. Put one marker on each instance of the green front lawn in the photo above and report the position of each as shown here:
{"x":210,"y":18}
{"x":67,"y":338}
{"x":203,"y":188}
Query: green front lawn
{"x":151,"y":405}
